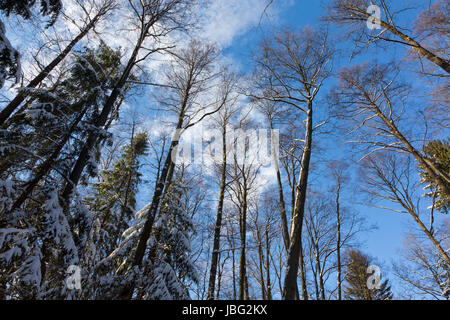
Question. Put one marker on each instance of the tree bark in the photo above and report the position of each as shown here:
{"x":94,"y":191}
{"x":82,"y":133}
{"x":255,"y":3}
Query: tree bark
{"x":242,"y":257}
{"x":151,"y":213}
{"x":280,"y":192}
{"x":432,"y":57}
{"x":430,"y":236}
{"x":438,"y":176}
{"x":338,"y":242}
{"x":302,"y":276}
{"x":319,"y":273}
{"x":2,"y":289}
{"x":440,"y":62}
{"x":290,"y":282}
{"x":268,"y":282}
{"x":217,"y":229}
{"x":102,"y":119}
{"x":260,"y":266}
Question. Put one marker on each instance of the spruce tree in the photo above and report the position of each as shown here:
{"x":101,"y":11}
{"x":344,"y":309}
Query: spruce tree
{"x":357,"y":276}
{"x":9,"y":59}
{"x":114,"y":200}
{"x":167,"y":266}
{"x":24,"y":8}
{"x":38,"y":239}
{"x":438,"y":153}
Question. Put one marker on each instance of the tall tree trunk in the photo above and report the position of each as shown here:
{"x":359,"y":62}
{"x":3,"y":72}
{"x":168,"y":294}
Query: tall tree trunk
{"x":338,"y":242}
{"x":219,"y":279}
{"x":246,"y":296}
{"x":302,"y":276}
{"x":217,"y":229}
{"x":290,"y":282}
{"x":124,"y":206}
{"x":436,"y":243}
{"x":151,"y":216}
{"x":243,"y":234}
{"x":2,"y":289}
{"x":233,"y":268}
{"x":22,"y":95}
{"x":260,"y":266}
{"x":320,"y":274}
{"x":441,"y":178}
{"x":280,"y":190}
{"x":267,"y":266}
{"x":432,"y":57}
{"x":165,"y":179}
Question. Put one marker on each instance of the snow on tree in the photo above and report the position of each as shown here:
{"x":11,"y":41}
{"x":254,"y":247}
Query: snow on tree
{"x":37,"y":232}
{"x":9,"y":59}
{"x":167,"y":266}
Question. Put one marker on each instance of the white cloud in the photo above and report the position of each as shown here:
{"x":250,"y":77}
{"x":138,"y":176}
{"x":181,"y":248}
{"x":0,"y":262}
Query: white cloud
{"x":227,"y":19}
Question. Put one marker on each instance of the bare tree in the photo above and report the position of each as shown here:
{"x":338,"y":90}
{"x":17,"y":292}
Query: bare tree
{"x":243,"y":172}
{"x":274,"y":112}
{"x":338,"y":173}
{"x":223,"y":120}
{"x":190,"y":76}
{"x":320,"y":239}
{"x":373,"y":100}
{"x":296,"y":66}
{"x":321,"y":242}
{"x":356,"y":13}
{"x":422,"y":269}
{"x":390,"y":177}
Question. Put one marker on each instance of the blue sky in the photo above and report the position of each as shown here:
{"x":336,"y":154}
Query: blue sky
{"x":385,"y":242}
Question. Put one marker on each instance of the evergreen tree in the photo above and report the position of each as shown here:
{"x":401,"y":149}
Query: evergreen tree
{"x":49,"y":115}
{"x":114,"y":200}
{"x":38,"y":239}
{"x":167,"y":266}
{"x":23,"y":8}
{"x":9,"y":59}
{"x":357,"y":276}
{"x":438,"y":153}
{"x":172,"y":233}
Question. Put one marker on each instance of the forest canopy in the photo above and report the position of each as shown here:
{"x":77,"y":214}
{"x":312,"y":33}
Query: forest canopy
{"x":224,"y":150}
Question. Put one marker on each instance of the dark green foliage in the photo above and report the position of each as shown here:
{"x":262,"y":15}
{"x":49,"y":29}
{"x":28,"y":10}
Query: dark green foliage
{"x":9,"y":59}
{"x":438,"y":152}
{"x":48,"y":115}
{"x":23,"y":8}
{"x":42,"y":140}
{"x":114,"y":201}
{"x":356,"y":277}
